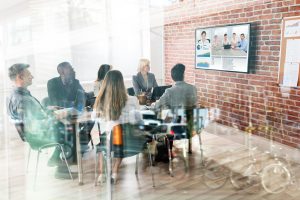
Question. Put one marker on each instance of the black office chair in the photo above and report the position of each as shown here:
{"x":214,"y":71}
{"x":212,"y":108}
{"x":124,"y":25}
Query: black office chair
{"x":38,"y":144}
{"x":130,"y":91}
{"x":89,"y":99}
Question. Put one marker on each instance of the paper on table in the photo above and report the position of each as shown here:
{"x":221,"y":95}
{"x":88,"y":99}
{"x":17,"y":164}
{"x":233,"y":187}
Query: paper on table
{"x":292,"y":51}
{"x":290,"y":76}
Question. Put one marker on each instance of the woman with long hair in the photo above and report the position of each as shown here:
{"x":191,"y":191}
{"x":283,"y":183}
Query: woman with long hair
{"x":113,"y":106}
{"x":101,"y":74}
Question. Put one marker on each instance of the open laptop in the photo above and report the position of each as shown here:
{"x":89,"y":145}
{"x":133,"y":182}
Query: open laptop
{"x":159,"y":91}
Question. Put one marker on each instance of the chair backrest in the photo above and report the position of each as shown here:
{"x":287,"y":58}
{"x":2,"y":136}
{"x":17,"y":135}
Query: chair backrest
{"x":133,"y":141}
{"x":89,"y":99}
{"x":179,"y":131}
{"x":130,"y":91}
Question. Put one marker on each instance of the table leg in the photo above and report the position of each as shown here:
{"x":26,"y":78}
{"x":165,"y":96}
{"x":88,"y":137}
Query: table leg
{"x":78,"y":155}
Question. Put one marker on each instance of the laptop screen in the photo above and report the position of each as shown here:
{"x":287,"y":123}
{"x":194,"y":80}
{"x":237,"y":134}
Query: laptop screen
{"x":159,"y":91}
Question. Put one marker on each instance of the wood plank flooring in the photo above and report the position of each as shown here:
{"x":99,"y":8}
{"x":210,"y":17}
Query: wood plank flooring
{"x":16,"y":184}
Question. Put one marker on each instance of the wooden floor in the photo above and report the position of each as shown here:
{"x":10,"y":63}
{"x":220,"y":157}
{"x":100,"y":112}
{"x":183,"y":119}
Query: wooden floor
{"x":16,"y":184}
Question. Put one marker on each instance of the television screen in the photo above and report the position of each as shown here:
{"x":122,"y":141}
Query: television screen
{"x":223,"y":48}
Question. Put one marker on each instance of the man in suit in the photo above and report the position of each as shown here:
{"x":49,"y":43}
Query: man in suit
{"x":180,"y":95}
{"x":65,"y":91}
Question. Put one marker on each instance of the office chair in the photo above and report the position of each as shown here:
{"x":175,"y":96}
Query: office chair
{"x":130,"y":91}
{"x":38,"y":145}
{"x":129,"y":142}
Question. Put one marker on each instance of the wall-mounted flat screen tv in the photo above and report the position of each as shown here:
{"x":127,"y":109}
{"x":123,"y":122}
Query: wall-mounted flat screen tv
{"x":223,"y":48}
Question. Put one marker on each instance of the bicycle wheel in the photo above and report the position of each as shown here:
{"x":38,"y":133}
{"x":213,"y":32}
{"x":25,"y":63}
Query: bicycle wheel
{"x":215,"y":176}
{"x":244,"y":178}
{"x":275,"y":178}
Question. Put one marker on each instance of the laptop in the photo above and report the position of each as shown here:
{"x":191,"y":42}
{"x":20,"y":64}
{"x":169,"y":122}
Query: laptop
{"x":159,"y":91}
{"x":227,"y":46}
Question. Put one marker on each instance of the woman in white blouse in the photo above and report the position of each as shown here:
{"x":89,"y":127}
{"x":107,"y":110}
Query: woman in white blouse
{"x":101,"y":74}
{"x":113,"y":106}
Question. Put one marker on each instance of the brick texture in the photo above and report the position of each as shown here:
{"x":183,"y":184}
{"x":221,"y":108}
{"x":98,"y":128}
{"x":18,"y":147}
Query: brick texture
{"x":241,"y":98}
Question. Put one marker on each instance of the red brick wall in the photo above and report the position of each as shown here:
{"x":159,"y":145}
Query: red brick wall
{"x":228,"y":91}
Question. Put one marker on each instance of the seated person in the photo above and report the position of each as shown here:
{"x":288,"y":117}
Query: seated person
{"x":65,"y":91}
{"x":144,"y":81}
{"x":180,"y":95}
{"x":226,"y":42}
{"x":234,"y":41}
{"x":39,"y":126}
{"x":113,"y":106}
{"x":216,"y":43}
{"x":243,"y":43}
{"x":101,"y":74}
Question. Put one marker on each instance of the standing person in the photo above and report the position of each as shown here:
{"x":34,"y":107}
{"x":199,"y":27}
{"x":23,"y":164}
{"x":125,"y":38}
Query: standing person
{"x":180,"y":95}
{"x":113,"y":106}
{"x":101,"y":74}
{"x":144,"y":81}
{"x":65,"y":91}
{"x":39,"y":126}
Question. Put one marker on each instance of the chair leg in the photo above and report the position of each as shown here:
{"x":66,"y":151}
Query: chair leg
{"x":137,"y":164}
{"x":36,"y":167}
{"x":151,"y":164}
{"x":65,"y":158}
{"x":28,"y":159}
{"x":170,"y":156}
{"x":96,"y":166}
{"x":201,"y":149}
{"x":105,"y":165}
{"x":186,"y":164}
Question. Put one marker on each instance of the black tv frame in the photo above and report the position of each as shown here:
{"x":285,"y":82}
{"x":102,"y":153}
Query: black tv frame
{"x":228,"y":25}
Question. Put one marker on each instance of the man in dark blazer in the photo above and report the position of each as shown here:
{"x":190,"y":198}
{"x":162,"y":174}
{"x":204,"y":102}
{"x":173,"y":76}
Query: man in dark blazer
{"x":65,"y":91}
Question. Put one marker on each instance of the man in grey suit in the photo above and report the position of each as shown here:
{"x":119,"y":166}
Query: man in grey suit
{"x":180,"y":95}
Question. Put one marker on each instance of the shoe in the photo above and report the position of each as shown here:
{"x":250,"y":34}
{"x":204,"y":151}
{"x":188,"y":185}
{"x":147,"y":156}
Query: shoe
{"x":101,"y":179}
{"x":114,"y":179}
{"x":54,"y":161}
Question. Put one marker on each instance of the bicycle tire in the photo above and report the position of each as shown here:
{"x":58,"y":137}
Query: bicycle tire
{"x":276,"y":172}
{"x":246,"y":177}
{"x":214,"y":175}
